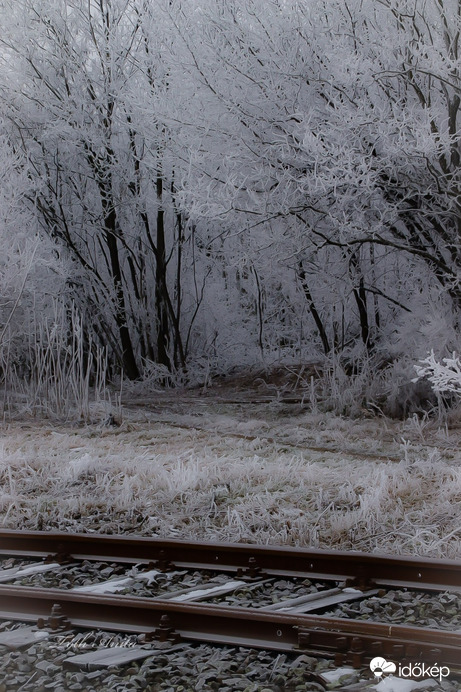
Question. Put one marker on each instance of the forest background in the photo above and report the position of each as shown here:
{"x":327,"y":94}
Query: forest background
{"x":193,"y":187}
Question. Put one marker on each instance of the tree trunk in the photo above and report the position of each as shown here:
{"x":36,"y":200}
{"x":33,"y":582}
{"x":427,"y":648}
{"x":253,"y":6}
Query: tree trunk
{"x":160,"y":283}
{"x":361,"y":299}
{"x":313,"y":309}
{"x":130,"y":367}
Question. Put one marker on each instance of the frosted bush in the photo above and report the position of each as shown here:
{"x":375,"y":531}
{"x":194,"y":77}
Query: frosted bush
{"x":444,"y":376}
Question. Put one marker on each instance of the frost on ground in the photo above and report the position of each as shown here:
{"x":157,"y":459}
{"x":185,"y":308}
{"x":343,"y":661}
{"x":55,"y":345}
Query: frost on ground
{"x":267,"y":473}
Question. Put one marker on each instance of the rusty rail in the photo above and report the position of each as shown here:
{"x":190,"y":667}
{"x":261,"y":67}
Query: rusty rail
{"x":363,"y":568}
{"x":348,"y":641}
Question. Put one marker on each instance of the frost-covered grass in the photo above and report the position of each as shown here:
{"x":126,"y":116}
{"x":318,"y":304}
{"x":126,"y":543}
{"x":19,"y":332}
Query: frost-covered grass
{"x":203,"y":470}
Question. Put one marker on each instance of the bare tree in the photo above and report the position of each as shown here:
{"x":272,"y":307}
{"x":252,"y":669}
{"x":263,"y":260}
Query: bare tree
{"x":83,"y":107}
{"x":337,"y":122}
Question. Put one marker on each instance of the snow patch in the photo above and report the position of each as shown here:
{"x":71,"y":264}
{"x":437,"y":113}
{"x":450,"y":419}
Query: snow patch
{"x":111,"y":586}
{"x":36,"y":569}
{"x":334,"y":675}
{"x":194,"y":595}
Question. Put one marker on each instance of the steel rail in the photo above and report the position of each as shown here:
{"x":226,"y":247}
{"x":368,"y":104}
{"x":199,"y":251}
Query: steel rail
{"x":348,"y":641}
{"x":361,"y":568}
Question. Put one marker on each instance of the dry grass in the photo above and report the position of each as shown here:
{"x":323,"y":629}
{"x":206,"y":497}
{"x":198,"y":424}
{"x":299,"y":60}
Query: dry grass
{"x":245,"y":473}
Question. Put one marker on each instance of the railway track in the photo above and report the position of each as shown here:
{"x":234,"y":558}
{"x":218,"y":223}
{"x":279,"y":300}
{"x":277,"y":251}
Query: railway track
{"x":271,"y":598}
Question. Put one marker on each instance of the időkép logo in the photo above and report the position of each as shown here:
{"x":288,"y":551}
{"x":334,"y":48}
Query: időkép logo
{"x":379,"y":666}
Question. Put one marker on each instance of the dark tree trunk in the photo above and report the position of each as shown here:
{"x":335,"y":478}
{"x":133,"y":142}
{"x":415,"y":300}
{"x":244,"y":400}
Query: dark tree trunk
{"x":130,"y":367}
{"x":361,"y":299}
{"x":160,"y":283}
{"x":310,"y":301}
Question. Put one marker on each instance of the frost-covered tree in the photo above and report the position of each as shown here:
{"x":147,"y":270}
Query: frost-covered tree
{"x":334,"y":141}
{"x":254,"y":176}
{"x":31,"y":271}
{"x":83,"y":96}
{"x":420,"y":83}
